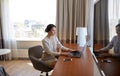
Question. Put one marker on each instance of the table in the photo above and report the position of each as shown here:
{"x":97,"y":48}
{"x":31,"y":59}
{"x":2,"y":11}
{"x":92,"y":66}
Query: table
{"x":110,"y":69}
{"x":84,"y":66}
{"x":4,"y":52}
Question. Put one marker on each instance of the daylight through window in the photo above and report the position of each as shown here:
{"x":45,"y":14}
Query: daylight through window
{"x":30,"y":17}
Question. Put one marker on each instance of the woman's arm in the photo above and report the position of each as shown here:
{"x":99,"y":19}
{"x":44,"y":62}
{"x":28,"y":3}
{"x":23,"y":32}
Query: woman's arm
{"x":61,"y":46}
{"x":109,"y":46}
{"x":47,"y":48}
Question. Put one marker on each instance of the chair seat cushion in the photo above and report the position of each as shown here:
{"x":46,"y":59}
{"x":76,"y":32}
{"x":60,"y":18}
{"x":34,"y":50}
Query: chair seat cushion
{"x":49,"y":59}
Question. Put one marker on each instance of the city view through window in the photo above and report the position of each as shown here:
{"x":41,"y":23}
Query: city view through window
{"x":29,"y":18}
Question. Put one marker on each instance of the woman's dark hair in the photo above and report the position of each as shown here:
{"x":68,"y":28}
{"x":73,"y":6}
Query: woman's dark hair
{"x":118,"y":25}
{"x":49,"y":27}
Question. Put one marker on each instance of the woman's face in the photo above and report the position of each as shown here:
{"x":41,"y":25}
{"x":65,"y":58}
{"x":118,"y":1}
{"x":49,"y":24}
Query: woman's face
{"x":118,"y":30}
{"x":52,"y":31}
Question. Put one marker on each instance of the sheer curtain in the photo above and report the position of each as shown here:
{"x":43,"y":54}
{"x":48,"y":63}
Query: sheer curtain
{"x":72,"y":14}
{"x":114,"y":15}
{"x":7,"y":28}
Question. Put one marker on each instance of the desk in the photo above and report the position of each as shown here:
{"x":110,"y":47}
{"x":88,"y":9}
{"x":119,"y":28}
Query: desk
{"x":4,"y":52}
{"x":110,"y":69}
{"x":84,"y":66}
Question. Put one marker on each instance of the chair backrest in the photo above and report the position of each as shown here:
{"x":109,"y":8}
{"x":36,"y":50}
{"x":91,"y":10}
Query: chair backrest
{"x":35,"y":54}
{"x":36,"y":51}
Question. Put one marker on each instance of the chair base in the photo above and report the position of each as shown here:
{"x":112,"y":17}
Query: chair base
{"x":46,"y":74}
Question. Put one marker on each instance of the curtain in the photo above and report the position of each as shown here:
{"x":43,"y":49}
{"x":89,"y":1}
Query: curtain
{"x":7,"y":28}
{"x":101,"y":26}
{"x":1,"y":37}
{"x":89,"y":22}
{"x":114,"y":16}
{"x":71,"y":14}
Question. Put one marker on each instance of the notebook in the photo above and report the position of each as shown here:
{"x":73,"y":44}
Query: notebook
{"x":78,"y":53}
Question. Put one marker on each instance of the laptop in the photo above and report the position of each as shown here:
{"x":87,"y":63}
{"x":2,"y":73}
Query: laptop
{"x":78,"y":53}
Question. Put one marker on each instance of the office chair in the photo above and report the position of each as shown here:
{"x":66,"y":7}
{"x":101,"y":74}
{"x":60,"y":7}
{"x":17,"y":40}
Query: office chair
{"x":2,"y":71}
{"x":35,"y":54}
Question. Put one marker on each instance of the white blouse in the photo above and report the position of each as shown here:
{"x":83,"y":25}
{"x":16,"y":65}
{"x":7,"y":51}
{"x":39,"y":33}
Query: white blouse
{"x":115,"y":42}
{"x":51,"y":45}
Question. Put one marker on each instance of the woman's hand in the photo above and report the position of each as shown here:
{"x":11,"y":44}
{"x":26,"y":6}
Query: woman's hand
{"x":70,"y":50}
{"x":96,"y":50}
{"x":66,"y":54}
{"x":99,"y":51}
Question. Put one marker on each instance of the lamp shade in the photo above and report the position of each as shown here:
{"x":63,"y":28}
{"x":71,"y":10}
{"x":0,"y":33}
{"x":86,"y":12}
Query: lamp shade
{"x":82,"y":33}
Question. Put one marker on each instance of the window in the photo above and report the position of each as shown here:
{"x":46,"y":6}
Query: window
{"x":30,"y":17}
{"x":95,"y":1}
{"x":114,"y":16}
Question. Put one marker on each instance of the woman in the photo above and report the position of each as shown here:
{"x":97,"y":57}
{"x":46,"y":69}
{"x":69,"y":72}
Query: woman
{"x":51,"y":45}
{"x":115,"y":43}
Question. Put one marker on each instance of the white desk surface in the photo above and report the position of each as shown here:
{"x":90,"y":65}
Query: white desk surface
{"x":4,"y":51}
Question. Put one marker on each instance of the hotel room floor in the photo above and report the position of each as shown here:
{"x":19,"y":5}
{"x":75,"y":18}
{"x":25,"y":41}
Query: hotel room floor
{"x":20,"y":68}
